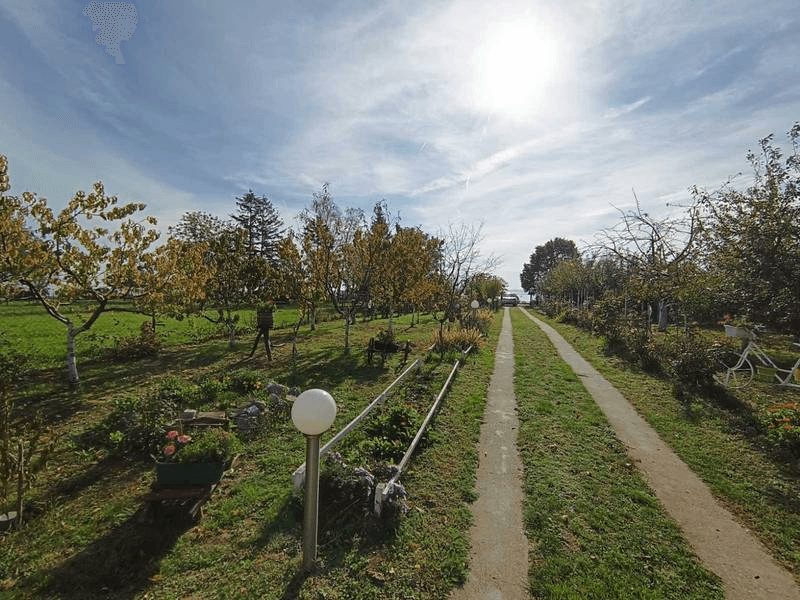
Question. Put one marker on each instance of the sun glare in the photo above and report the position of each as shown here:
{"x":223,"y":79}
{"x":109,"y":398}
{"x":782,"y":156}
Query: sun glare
{"x":515,"y":66}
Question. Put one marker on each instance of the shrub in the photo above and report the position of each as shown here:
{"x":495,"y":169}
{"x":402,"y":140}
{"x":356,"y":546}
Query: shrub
{"x":210,"y":388}
{"x":608,"y":320}
{"x":390,"y":433}
{"x":455,"y":339}
{"x":136,"y":425}
{"x":347,"y":493}
{"x":482,"y":320}
{"x":246,"y":381}
{"x":211,"y":445}
{"x":640,"y":346}
{"x":688,"y":360}
{"x":180,"y":392}
{"x":144,"y":345}
{"x":782,"y":423}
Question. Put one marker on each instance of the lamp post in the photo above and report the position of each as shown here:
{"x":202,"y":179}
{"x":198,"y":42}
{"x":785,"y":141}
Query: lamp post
{"x":312,"y":413}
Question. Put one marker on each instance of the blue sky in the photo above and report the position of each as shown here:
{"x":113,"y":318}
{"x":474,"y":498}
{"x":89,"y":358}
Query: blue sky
{"x":531,"y":117}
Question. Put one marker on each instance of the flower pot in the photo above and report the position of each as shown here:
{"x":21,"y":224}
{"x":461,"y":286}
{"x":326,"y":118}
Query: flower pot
{"x":189,"y":473}
{"x":8,"y":520}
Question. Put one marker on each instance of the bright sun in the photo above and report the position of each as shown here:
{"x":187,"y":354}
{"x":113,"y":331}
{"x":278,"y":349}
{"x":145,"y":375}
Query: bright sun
{"x":514,"y":67}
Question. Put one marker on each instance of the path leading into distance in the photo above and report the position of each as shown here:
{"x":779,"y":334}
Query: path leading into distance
{"x":746,"y":568}
{"x":498,"y":560}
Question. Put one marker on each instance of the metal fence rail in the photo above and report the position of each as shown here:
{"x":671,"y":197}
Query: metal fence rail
{"x":382,"y":491}
{"x":299,"y":475}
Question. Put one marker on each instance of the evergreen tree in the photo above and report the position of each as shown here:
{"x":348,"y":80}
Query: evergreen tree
{"x":263,"y":224}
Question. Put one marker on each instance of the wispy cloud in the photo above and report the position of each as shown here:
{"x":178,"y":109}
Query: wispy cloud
{"x":391,"y":100}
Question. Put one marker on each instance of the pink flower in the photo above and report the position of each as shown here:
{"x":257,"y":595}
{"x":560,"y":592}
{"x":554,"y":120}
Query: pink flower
{"x":169,"y":450}
{"x":172,"y":435}
{"x":184,"y":439}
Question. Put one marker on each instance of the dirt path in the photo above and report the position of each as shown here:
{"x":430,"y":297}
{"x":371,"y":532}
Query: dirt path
{"x":746,"y":568}
{"x":499,"y":555}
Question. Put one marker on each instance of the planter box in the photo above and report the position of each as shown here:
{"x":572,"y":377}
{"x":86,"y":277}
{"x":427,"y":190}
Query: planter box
{"x":189,"y":473}
{"x":738,"y":332}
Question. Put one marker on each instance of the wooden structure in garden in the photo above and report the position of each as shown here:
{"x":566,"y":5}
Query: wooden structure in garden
{"x":264,"y":321}
{"x":185,"y":500}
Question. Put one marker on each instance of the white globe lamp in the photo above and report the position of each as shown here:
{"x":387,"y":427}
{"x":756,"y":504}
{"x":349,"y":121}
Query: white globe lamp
{"x":312,"y":413}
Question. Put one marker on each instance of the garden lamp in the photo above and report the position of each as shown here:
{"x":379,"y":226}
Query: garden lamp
{"x":312,"y":413}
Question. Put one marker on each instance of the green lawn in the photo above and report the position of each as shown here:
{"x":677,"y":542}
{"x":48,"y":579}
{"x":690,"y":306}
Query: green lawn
{"x":42,"y":338}
{"x":720,"y":441}
{"x":596,"y":529}
{"x":85,"y":508}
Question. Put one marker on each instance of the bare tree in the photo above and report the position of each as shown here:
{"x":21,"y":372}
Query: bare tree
{"x":653,"y":251}
{"x":460,"y":261}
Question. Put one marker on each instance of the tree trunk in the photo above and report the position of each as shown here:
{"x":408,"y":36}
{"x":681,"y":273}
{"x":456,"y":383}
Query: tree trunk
{"x":663,"y":314}
{"x":347,"y":334}
{"x":20,"y":480}
{"x":5,"y":450}
{"x":231,"y":334}
{"x":72,"y":367}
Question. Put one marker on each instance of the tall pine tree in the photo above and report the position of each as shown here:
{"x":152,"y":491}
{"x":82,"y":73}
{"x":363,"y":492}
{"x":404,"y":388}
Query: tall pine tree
{"x":263,"y":224}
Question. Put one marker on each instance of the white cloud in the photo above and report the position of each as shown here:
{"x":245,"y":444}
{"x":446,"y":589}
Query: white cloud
{"x":391,"y":100}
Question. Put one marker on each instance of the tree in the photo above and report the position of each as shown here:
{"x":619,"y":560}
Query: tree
{"x":459,"y":261}
{"x":656,"y":253}
{"x":752,"y":238}
{"x":362,"y":260}
{"x":544,"y":258}
{"x":235,"y":276}
{"x":407,"y":275}
{"x":294,"y":282}
{"x":263,"y":224}
{"x":342,"y":255}
{"x":61,"y":260}
{"x":176,"y":277}
{"x":198,"y":227}
{"x":485,"y":286}
{"x":14,"y":235}
{"x":239,"y":279}
{"x":321,"y":247}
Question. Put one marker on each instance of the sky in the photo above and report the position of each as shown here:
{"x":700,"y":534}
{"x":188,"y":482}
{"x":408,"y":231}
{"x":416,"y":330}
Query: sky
{"x":532,"y":119}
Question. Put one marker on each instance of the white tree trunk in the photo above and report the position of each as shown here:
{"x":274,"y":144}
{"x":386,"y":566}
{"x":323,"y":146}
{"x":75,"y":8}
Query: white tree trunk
{"x":663,"y":314}
{"x":72,"y":367}
{"x":231,"y":334}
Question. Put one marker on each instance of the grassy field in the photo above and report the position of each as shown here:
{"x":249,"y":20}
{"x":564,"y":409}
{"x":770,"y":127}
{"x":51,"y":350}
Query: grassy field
{"x":43,"y":339}
{"x":86,"y":538}
{"x":720,"y":441}
{"x":596,"y":529}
